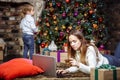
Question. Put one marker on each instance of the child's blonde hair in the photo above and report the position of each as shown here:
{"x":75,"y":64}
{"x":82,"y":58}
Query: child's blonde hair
{"x":25,"y":8}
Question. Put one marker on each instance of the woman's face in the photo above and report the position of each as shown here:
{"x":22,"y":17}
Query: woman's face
{"x":74,"y":42}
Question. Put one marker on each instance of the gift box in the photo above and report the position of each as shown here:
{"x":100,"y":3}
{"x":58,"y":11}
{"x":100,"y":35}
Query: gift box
{"x":105,"y":74}
{"x":2,"y":46}
{"x":60,"y":55}
{"x":1,"y":55}
{"x":45,"y":51}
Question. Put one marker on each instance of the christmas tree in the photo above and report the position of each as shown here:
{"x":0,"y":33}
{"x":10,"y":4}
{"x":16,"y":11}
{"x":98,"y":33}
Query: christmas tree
{"x":60,"y":16}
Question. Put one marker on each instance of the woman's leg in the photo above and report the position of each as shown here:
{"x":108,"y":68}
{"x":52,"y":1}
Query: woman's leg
{"x":117,"y":51}
{"x":112,"y":60}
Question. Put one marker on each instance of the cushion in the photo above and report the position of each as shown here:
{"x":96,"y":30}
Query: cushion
{"x":18,"y":67}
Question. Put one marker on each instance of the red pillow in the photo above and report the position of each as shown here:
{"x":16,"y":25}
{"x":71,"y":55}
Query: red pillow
{"x":18,"y":67}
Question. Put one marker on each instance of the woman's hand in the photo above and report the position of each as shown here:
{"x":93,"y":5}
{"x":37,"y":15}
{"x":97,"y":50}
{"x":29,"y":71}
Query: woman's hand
{"x":61,"y":73}
{"x":74,"y":62}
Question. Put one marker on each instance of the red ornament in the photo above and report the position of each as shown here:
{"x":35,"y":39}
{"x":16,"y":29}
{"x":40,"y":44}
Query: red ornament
{"x":91,"y":11}
{"x":67,"y":1}
{"x":42,"y":45}
{"x":76,"y":4}
{"x":46,"y":19}
{"x":58,"y":4}
{"x":100,"y":19}
{"x":101,"y":47}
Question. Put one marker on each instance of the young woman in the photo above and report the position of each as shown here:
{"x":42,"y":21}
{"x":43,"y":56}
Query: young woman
{"x":84,"y":55}
{"x":28,"y":28}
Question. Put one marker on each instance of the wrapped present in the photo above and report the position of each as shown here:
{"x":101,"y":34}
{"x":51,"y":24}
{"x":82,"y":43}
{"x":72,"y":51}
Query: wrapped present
{"x":106,"y":72}
{"x":2,"y":44}
{"x":60,"y":55}
{"x":46,"y":51}
{"x":1,"y":55}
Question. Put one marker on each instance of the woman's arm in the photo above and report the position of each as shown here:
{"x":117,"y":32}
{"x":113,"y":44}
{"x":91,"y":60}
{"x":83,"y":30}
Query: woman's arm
{"x":72,"y":69}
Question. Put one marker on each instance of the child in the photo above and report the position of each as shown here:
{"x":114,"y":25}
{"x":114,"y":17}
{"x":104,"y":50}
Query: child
{"x":28,"y":28}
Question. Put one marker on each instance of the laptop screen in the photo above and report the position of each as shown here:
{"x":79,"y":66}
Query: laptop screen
{"x":47,"y":63}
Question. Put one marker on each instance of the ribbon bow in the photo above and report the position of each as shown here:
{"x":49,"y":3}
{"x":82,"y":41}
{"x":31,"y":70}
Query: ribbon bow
{"x":58,"y":55}
{"x":107,"y":66}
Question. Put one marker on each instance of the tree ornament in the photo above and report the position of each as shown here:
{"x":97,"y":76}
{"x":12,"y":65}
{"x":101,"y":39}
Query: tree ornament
{"x":64,"y":14}
{"x":51,"y":9}
{"x":53,"y":3}
{"x":38,"y":41}
{"x":67,"y":30}
{"x":60,"y":38}
{"x":67,"y":1}
{"x":50,"y":32}
{"x":76,"y":4}
{"x":70,"y":27}
{"x":52,"y":46}
{"x":55,"y":22}
{"x":48,"y":14}
{"x":100,"y":19}
{"x":46,"y":19}
{"x":101,"y":47}
{"x":45,"y":33}
{"x":48,"y":24}
{"x":61,"y":33}
{"x":75,"y":13}
{"x":56,"y":28}
{"x":63,"y":27}
{"x":94,"y":16}
{"x":85,"y":14}
{"x":95,"y":26}
{"x":42,"y":45}
{"x":65,"y":46}
{"x":78,"y":22}
{"x":54,"y":17}
{"x":91,"y":11}
{"x":59,"y":4}
{"x":89,"y":4}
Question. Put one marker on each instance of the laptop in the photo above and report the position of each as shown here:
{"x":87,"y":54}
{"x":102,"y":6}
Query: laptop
{"x":47,"y":63}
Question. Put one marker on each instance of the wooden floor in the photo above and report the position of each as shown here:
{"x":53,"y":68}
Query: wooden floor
{"x":75,"y":78}
{"x":42,"y":77}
